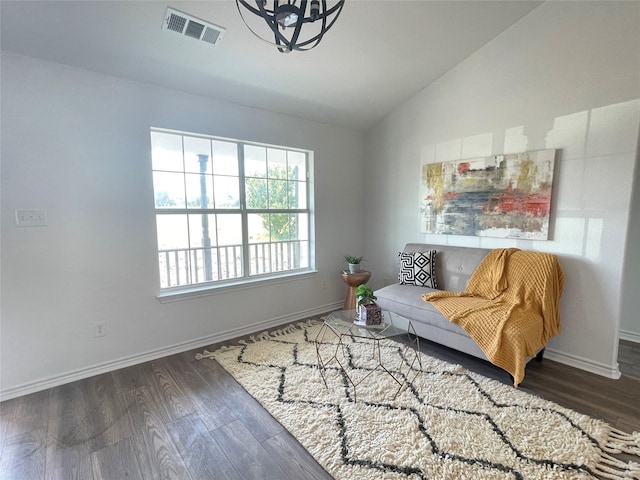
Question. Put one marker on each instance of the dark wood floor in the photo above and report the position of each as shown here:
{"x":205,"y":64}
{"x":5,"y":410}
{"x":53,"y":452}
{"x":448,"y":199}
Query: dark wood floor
{"x":629,"y":358}
{"x":179,"y":418}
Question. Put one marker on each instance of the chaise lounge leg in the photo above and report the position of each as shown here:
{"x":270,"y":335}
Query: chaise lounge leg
{"x":540,"y":355}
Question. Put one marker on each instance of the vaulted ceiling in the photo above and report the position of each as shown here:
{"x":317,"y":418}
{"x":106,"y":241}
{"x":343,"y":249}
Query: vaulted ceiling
{"x":377,"y":55}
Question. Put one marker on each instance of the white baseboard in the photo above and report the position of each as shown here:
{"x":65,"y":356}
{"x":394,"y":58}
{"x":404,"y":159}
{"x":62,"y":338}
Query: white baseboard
{"x":97,"y":369}
{"x":609,"y":371}
{"x":629,"y":336}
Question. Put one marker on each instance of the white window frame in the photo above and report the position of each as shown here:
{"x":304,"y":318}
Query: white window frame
{"x":270,"y":270}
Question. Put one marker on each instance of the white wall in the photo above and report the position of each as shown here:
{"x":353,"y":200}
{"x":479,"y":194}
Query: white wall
{"x":630,"y":314}
{"x":77,"y":144}
{"x":567,"y":76}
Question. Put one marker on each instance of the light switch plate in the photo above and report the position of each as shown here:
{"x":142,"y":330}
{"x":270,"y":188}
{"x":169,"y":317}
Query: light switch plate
{"x":31,"y":218}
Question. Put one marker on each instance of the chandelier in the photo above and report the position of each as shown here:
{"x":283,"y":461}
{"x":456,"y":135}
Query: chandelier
{"x":285,"y":19}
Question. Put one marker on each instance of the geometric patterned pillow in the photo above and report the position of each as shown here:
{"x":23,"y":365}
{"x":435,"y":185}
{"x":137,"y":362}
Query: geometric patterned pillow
{"x":418,"y":268}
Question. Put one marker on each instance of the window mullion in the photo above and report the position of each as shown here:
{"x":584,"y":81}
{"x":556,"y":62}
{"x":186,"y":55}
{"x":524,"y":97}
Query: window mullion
{"x":189,"y":272}
{"x":243,"y":212}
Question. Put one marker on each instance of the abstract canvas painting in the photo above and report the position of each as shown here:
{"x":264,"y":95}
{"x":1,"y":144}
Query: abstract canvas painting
{"x":505,"y":196}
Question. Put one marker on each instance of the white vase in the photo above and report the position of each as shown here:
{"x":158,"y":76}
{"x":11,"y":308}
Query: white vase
{"x":354,"y":267}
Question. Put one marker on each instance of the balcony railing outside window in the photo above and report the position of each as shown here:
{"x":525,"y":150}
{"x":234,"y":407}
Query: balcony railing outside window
{"x":179,"y":267}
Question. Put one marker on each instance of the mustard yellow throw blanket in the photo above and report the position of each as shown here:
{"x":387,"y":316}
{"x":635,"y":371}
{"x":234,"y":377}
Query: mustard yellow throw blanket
{"x":510,"y":306}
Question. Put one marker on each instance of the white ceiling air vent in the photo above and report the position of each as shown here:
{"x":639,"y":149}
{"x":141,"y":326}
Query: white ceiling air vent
{"x":192,"y":27}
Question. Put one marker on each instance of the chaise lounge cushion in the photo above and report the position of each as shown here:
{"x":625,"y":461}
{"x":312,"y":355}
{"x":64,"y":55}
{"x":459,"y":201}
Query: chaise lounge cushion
{"x":408,"y":302}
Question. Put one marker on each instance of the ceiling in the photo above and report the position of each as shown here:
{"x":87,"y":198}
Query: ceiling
{"x":377,"y":55}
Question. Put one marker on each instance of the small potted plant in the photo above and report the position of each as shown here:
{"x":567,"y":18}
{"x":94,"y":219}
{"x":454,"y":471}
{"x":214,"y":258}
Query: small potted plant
{"x":364,"y":294}
{"x":354,"y":263}
{"x":367,"y":312}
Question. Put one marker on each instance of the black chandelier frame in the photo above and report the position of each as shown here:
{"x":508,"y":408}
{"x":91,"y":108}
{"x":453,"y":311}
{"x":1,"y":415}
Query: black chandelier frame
{"x":282,"y":10}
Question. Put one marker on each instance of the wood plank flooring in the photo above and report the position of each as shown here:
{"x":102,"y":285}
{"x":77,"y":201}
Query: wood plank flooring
{"x":629,"y":358}
{"x":179,"y":418}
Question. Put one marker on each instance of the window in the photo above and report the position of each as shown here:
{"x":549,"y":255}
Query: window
{"x":226,"y":210}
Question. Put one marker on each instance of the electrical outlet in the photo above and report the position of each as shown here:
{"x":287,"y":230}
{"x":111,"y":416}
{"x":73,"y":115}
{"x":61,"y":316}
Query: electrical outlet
{"x":323,"y":283}
{"x":31,"y":218}
{"x":99,"y":329}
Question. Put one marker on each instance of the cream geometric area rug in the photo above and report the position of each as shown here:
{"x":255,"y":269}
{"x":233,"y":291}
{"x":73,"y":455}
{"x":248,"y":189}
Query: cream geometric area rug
{"x":446,"y":423}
